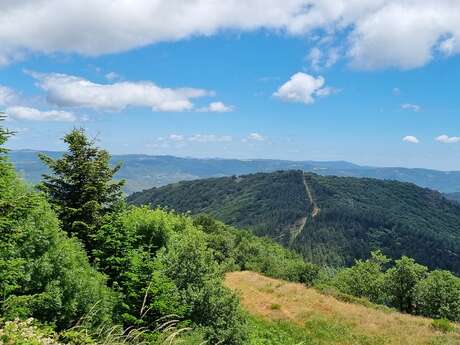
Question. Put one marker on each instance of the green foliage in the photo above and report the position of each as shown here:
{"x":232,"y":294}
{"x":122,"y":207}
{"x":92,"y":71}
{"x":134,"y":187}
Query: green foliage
{"x":42,"y":272}
{"x":356,"y":215}
{"x":26,"y":332}
{"x":4,"y":134}
{"x":240,"y":250}
{"x":401,"y":282}
{"x":406,"y":285}
{"x":364,"y":279}
{"x":442,"y":325}
{"x":127,"y":246}
{"x":266,"y":203}
{"x":81,"y":186}
{"x":190,"y":264}
{"x":161,"y":264}
{"x":438,"y":296}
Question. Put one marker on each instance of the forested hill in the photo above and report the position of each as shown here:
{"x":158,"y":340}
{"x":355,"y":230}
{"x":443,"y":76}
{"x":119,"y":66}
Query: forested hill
{"x":331,"y":220}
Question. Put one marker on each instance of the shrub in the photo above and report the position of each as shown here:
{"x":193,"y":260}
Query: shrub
{"x":188,"y":262}
{"x":442,"y":325}
{"x":275,"y":306}
{"x":26,"y":332}
{"x":438,"y":296}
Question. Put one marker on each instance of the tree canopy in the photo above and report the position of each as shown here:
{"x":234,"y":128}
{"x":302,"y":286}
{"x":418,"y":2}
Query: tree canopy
{"x":81,"y":186}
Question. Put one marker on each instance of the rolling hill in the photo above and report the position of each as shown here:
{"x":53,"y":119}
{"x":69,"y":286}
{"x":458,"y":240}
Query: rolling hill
{"x":329,"y":220}
{"x":291,"y":314}
{"x":144,"y":171}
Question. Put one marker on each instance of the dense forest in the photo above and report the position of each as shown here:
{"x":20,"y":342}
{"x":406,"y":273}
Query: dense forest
{"x":354,"y":215}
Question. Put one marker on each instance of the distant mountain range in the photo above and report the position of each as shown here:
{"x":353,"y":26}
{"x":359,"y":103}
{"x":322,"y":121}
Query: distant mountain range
{"x":144,"y":171}
{"x":328,"y":219}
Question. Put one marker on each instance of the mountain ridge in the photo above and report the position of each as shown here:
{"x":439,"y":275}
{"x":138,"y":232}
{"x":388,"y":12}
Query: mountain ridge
{"x":145,"y":171}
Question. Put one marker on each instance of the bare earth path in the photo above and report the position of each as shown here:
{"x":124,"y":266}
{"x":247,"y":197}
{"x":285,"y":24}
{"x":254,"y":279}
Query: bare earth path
{"x":300,"y":224}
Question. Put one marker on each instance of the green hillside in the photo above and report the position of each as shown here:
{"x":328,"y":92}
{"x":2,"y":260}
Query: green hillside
{"x":344,"y":219}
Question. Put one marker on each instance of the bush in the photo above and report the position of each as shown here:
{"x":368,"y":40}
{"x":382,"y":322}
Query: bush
{"x":26,"y":332}
{"x":190,"y":265}
{"x":438,"y":296}
{"x":401,"y":281}
{"x":365,"y":279}
{"x":442,"y":325}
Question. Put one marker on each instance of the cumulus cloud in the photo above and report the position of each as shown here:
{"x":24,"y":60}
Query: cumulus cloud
{"x":374,"y":33}
{"x":413,"y":107}
{"x":71,"y":91}
{"x":445,"y":139}
{"x":411,"y":139}
{"x":303,"y":88}
{"x":216,"y":107}
{"x":27,"y":113}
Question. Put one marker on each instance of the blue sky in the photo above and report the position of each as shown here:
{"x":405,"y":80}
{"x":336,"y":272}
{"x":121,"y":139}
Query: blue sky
{"x":248,"y":88}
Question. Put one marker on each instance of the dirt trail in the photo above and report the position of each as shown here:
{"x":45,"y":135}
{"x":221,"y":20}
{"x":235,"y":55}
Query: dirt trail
{"x":300,"y":224}
{"x":316,"y":209}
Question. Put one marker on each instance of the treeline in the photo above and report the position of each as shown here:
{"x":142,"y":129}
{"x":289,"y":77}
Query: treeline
{"x":89,"y":269}
{"x":402,"y":284}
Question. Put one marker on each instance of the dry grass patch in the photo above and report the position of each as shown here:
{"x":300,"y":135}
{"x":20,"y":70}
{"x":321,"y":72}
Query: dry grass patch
{"x":302,"y":305}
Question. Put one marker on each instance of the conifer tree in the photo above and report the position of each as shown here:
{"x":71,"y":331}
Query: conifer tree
{"x":4,"y":134}
{"x":81,"y":186}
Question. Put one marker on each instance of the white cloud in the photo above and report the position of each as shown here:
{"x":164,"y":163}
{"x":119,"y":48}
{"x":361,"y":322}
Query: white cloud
{"x":176,"y":137}
{"x":255,"y":137}
{"x":374,"y":33}
{"x":112,"y":76}
{"x":411,"y":139}
{"x":413,"y":107}
{"x":314,"y":57}
{"x":396,"y":91}
{"x":319,"y":59}
{"x":26,"y":113}
{"x":210,"y":138}
{"x":197,"y":138}
{"x":71,"y":91}
{"x":445,"y":139}
{"x":7,"y":95}
{"x":216,"y":107}
{"x":303,"y":88}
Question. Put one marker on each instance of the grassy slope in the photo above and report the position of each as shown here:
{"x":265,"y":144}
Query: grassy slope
{"x":287,"y":313}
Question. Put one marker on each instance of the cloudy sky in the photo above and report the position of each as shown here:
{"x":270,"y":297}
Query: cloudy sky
{"x":374,"y":82}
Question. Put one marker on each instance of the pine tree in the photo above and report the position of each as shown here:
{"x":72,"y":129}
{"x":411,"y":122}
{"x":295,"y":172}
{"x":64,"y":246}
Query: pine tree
{"x":4,"y":135}
{"x":81,"y":186}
